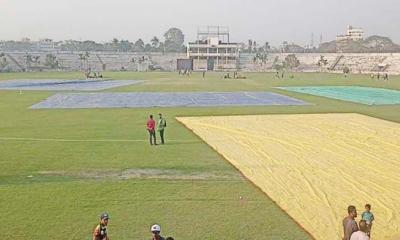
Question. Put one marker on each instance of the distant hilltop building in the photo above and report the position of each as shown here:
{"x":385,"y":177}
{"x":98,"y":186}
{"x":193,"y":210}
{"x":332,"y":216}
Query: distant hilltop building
{"x":212,"y":50}
{"x":46,"y":45}
{"x":354,"y":34}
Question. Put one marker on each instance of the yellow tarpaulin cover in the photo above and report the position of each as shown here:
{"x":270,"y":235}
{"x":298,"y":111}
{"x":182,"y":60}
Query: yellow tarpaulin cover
{"x":315,"y":165}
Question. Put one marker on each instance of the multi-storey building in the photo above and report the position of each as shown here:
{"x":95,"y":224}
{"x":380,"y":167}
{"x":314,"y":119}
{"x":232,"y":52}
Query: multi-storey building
{"x":212,"y":50}
{"x":354,"y":34}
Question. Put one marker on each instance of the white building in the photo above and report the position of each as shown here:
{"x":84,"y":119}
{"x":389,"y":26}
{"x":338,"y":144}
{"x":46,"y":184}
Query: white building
{"x":354,"y":34}
{"x":212,"y":50}
{"x":47,"y":45}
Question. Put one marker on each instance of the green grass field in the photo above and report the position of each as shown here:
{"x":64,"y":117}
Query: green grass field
{"x":57,"y":189}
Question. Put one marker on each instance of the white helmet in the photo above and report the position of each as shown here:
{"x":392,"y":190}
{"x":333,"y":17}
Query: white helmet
{"x":155,"y":228}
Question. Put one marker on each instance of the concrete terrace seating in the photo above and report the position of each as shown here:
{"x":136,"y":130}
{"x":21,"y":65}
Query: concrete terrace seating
{"x":70,"y":61}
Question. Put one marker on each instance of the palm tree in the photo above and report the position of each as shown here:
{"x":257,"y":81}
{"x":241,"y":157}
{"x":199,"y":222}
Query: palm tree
{"x":267,"y":47}
{"x":115,"y":44}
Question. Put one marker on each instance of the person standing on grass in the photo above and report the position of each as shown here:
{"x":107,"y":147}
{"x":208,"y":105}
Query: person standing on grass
{"x":386,"y":77}
{"x":100,"y":231}
{"x":151,"y":124}
{"x":155,"y":230}
{"x":368,"y":217}
{"x":349,"y":224}
{"x":162,"y":124}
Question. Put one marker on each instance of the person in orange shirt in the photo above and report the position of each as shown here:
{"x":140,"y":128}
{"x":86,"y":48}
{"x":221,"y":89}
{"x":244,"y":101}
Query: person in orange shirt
{"x":151,"y":125}
{"x":100,"y":231}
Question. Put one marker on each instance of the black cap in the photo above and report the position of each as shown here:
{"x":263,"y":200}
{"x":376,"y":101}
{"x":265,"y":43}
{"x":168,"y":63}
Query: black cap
{"x":104,"y":216}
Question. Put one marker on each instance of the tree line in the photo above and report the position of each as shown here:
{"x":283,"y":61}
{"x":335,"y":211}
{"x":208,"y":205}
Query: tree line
{"x":173,"y":42}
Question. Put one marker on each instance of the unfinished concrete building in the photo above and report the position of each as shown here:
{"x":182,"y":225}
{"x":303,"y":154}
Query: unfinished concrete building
{"x":353,"y":34}
{"x":213,"y":51}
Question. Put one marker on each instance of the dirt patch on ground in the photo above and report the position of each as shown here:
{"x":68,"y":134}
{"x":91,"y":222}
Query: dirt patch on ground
{"x":148,"y":174}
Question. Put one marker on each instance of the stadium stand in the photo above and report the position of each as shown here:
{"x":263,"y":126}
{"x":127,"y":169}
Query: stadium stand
{"x":109,"y":61}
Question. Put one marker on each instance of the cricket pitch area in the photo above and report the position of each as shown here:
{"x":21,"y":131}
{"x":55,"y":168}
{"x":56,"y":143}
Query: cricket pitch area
{"x":315,"y":165}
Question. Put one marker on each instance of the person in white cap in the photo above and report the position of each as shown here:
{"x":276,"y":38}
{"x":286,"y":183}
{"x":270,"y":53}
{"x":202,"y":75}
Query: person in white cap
{"x":155,"y":230}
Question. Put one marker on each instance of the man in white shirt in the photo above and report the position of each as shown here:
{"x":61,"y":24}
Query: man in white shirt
{"x":362,"y":233}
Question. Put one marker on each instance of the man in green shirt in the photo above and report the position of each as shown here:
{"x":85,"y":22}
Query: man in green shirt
{"x":162,"y":124}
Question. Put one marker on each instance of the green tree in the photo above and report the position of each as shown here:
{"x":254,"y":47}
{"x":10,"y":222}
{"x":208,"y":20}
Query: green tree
{"x":250,"y":47}
{"x":148,"y":47}
{"x":285,"y":47}
{"x":138,"y":46}
{"x":3,"y":62}
{"x":267,"y":47}
{"x":322,"y":63}
{"x":174,"y":39}
{"x":277,"y":65}
{"x":346,"y":70}
{"x":115,"y":44}
{"x":291,"y":62}
{"x":125,"y":46}
{"x":36,"y":60}
{"x":51,"y":61}
{"x":155,"y":43}
{"x":162,"y":47}
{"x":84,"y":58}
{"x":28,"y":60}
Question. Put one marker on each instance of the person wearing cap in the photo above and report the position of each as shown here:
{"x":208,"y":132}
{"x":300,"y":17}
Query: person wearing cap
{"x":155,"y":230}
{"x":162,"y":124}
{"x":100,"y":231}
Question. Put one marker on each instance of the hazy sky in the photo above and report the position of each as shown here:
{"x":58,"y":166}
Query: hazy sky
{"x":261,"y":20}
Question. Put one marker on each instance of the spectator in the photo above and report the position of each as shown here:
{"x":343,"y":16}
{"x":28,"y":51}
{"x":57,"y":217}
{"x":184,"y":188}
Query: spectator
{"x":362,"y":233}
{"x":277,"y":74}
{"x":155,"y":230}
{"x":151,"y":124}
{"x":169,"y":238}
{"x":100,"y":231}
{"x":349,"y":224}
{"x":368,"y":217}
{"x":386,"y":77}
